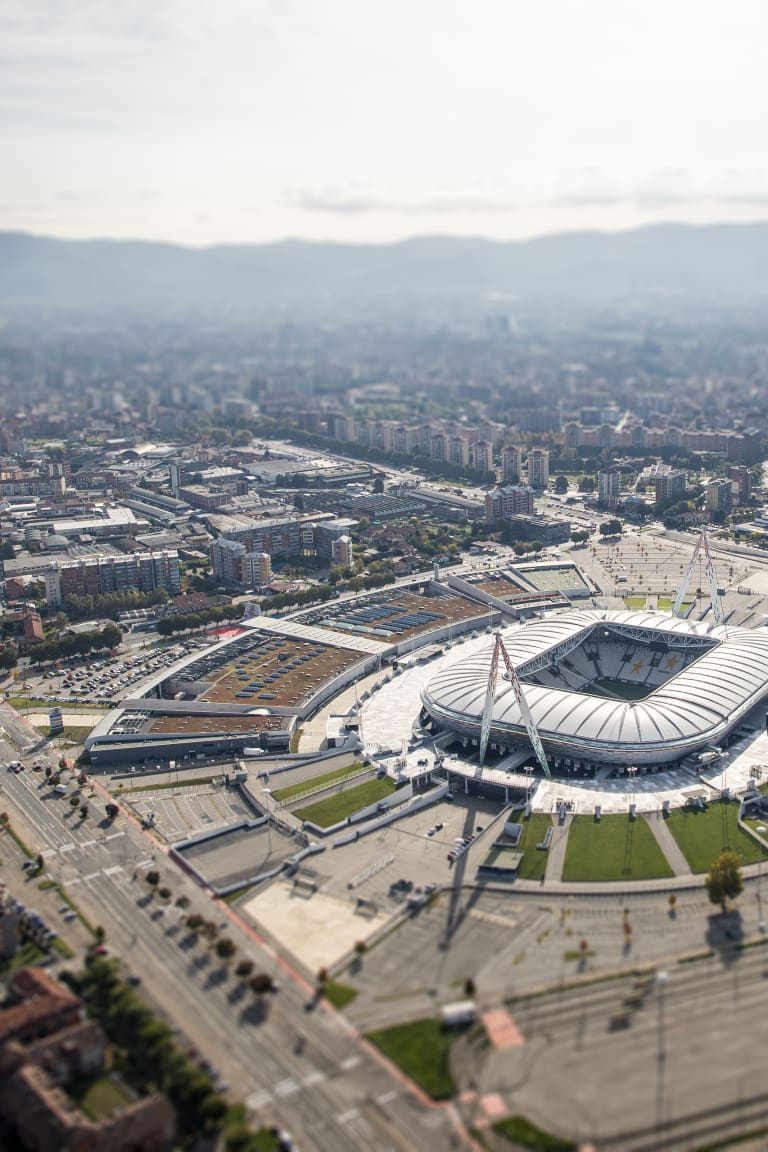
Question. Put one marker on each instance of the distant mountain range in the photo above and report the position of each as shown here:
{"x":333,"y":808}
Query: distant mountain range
{"x":724,"y":263}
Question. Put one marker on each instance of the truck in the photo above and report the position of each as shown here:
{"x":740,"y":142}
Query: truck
{"x":457,"y":1013}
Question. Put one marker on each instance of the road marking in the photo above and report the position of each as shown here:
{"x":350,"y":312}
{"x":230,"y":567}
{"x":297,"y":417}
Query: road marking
{"x":345,"y":1117}
{"x":48,"y":852}
{"x":387,"y":1098}
{"x":315,"y":1077}
{"x":286,"y":1087}
{"x":145,"y":863}
{"x":113,"y":870}
{"x":350,"y":1063}
{"x":114,"y":835}
{"x":258,"y":1099}
{"x":69,"y":883}
{"x":91,"y":876}
{"x":87,"y":843}
{"x":67,"y":847}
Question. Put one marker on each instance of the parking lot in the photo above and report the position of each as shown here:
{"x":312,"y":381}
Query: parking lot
{"x":187,"y":809}
{"x":104,"y":680}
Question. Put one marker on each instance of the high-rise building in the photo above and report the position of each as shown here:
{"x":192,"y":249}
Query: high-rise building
{"x":741,"y":480}
{"x":719,"y":497}
{"x":538,"y":468}
{"x":510,"y":464}
{"x":483,"y":456}
{"x":505,"y":502}
{"x":608,"y":488}
{"x":670,"y":486}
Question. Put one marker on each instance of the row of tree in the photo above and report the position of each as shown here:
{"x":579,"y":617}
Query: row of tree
{"x":187,"y":621}
{"x":76,"y":644}
{"x":111,"y":604}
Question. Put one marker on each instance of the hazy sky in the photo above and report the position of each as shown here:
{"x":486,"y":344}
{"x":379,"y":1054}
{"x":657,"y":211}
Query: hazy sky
{"x":202,"y":121}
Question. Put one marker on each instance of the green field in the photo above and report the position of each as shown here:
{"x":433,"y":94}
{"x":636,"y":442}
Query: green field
{"x":338,"y":774}
{"x":534,"y":863}
{"x":339,"y":994}
{"x":336,"y":808}
{"x":619,"y":689}
{"x":615,"y":849}
{"x":702,"y":836}
{"x":635,"y":603}
{"x":526,"y":1135}
{"x":102,"y":1097}
{"x":421,"y":1050}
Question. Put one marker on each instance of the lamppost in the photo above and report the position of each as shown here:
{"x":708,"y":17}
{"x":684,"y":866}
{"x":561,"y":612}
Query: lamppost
{"x":761,"y":830}
{"x":268,"y":792}
{"x":662,"y":978}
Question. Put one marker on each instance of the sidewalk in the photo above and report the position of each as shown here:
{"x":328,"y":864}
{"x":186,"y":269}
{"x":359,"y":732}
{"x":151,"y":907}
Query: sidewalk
{"x":668,"y":845}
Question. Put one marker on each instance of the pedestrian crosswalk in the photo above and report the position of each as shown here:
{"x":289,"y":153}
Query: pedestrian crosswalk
{"x":287,"y":1087}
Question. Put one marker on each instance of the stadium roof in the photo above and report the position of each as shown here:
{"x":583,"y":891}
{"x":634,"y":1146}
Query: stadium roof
{"x":690,"y":710}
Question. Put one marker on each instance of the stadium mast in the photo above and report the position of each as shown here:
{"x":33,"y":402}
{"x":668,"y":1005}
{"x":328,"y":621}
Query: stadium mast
{"x":702,"y":544}
{"x":490,"y":695}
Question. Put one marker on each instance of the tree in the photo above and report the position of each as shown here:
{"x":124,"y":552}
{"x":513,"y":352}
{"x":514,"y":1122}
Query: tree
{"x":83,"y":811}
{"x":244,"y":969}
{"x":112,"y":811}
{"x":74,"y":801}
{"x":672,"y":902}
{"x":153,"y":878}
{"x":378,"y":485}
{"x":724,"y":881}
{"x":561,"y":484}
{"x":225,"y":948}
{"x":261,"y":983}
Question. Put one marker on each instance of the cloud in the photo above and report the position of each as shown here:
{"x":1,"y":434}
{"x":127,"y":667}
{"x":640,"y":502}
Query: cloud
{"x":667,"y":190}
{"x":354,"y":203}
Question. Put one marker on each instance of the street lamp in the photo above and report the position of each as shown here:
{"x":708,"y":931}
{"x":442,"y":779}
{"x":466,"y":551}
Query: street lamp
{"x":761,"y":830}
{"x":662,"y":979}
{"x":268,"y":792}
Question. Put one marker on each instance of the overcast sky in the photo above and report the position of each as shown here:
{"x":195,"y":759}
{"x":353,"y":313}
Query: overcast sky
{"x":202,"y":121}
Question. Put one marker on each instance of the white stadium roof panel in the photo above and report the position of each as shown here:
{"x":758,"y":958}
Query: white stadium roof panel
{"x":693,"y":708}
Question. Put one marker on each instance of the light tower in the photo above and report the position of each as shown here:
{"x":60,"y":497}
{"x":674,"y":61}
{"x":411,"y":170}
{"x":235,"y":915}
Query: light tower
{"x":490,"y":696}
{"x":702,"y":545}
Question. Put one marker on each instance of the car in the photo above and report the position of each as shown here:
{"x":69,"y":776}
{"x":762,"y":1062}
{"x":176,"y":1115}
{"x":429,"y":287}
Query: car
{"x":430,"y":831}
{"x":438,"y":827}
{"x":28,"y":865}
{"x":100,"y":950}
{"x":134,"y":980}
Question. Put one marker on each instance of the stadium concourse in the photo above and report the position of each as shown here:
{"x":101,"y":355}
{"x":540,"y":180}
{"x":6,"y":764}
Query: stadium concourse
{"x":633,"y":708}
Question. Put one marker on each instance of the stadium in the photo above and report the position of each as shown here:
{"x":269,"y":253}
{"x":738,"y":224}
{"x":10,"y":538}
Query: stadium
{"x":605,"y":689}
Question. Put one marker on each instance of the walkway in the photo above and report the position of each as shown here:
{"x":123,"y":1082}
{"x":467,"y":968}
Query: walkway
{"x":668,"y":845}
{"x":556,"y":855}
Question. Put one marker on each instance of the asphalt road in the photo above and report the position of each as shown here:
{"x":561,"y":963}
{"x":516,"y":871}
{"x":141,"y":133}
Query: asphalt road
{"x":305,"y":1070}
{"x":685,"y":1071}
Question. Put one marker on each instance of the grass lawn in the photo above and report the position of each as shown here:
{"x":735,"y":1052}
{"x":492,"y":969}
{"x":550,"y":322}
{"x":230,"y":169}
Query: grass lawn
{"x":635,"y":602}
{"x":533,"y":864}
{"x":102,"y":1097}
{"x":615,"y":849}
{"x":337,"y":775}
{"x":702,"y":836}
{"x":519,"y":1131}
{"x":200,"y":780}
{"x":339,"y":994}
{"x":420,"y":1049}
{"x":337,"y":807}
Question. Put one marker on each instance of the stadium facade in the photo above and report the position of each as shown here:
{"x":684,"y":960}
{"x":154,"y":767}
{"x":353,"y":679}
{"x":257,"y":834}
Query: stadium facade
{"x":609,"y":688}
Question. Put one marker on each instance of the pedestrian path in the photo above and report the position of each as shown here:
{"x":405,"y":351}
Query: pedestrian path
{"x":668,"y":845}
{"x":557,"y":848}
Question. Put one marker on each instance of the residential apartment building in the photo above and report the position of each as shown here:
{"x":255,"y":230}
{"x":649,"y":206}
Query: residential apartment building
{"x":502,"y":503}
{"x":538,"y":468}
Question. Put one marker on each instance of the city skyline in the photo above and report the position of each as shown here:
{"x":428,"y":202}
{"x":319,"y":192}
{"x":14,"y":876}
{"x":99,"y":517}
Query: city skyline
{"x":199,"y":124}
